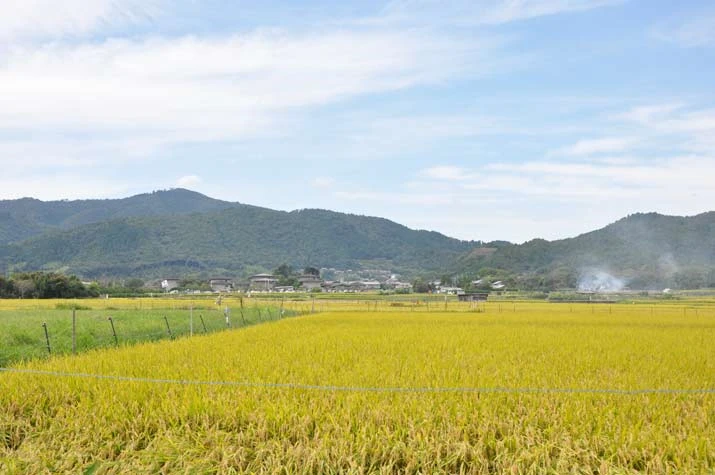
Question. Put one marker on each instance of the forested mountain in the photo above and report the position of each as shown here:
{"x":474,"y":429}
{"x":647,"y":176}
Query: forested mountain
{"x":181,"y":232}
{"x":27,"y":217}
{"x":645,"y":250}
{"x":232,"y":241}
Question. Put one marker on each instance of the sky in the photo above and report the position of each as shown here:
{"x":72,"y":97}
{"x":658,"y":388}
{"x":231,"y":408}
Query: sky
{"x":480,"y":119}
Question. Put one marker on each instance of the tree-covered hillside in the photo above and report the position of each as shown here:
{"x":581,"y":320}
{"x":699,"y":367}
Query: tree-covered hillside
{"x":27,"y":217}
{"x":646,"y":250}
{"x":233,"y":241}
{"x":179,"y":232}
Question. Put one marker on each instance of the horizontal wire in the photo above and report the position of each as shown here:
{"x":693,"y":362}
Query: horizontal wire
{"x":333,"y":388}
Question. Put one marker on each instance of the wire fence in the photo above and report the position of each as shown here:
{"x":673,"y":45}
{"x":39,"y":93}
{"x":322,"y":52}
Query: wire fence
{"x":45,"y":332}
{"x":81,"y":330}
{"x":37,"y":335}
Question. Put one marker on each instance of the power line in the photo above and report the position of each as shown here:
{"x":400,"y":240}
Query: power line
{"x":335,"y":388}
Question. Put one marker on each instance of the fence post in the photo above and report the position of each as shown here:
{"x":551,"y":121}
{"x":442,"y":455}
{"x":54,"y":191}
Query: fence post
{"x":168,"y":328}
{"x":243,"y":319}
{"x":202,"y":322}
{"x":191,"y":320}
{"x":74,"y":331}
{"x":47,"y":338}
{"x":114,"y":332}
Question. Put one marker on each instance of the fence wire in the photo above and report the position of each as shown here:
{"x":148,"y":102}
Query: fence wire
{"x":364,"y":389}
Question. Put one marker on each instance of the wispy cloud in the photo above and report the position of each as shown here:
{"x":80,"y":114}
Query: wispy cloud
{"x":647,"y":114}
{"x":446,"y":172}
{"x":215,"y":88}
{"x":694,"y":127}
{"x":120,"y":100}
{"x":188,"y":181}
{"x":323,"y":182}
{"x":50,"y":186}
{"x":487,"y":12}
{"x":28,"y":19}
{"x":696,"y":31}
{"x":587,"y":147}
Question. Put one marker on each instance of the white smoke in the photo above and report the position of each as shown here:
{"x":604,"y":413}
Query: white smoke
{"x":598,"y":280}
{"x":667,"y":265}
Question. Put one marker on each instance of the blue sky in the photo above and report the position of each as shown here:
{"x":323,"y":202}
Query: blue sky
{"x":494,"y":119}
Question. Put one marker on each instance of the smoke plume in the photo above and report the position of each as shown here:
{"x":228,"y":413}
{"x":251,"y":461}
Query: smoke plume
{"x":598,"y":280}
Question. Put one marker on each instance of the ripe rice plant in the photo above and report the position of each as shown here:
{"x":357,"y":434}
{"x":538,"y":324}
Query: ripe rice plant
{"x":531,"y":388}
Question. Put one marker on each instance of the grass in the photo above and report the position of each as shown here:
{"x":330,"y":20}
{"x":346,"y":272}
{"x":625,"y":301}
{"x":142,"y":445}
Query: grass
{"x":22,"y":335}
{"x":70,"y":424}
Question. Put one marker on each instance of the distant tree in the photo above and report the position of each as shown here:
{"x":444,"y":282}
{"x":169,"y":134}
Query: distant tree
{"x":465,"y":282}
{"x":283,"y":270}
{"x":311,"y":271}
{"x":448,"y":280}
{"x":420,"y":286}
{"x":690,"y":279}
{"x":7,"y":289}
{"x":134,"y":284}
{"x":25,"y":288}
{"x":193,"y":284}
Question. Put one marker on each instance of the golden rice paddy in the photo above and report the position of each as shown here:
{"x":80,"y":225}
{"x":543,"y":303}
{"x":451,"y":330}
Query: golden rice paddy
{"x":512,"y":388}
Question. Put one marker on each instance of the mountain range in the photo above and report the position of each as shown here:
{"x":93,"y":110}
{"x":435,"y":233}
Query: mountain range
{"x":187,"y":232}
{"x":181,"y":232}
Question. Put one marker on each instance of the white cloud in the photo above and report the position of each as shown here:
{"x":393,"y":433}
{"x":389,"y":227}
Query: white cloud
{"x":52,"y":18}
{"x":689,"y":173}
{"x":194,"y":88}
{"x":596,"y":146}
{"x":694,"y":127}
{"x":697,"y":31}
{"x":553,"y":199}
{"x":383,"y":197}
{"x":188,"y":181}
{"x":671,"y":171}
{"x":323,"y":182}
{"x":64,"y":185}
{"x":448,"y":173}
{"x":489,"y":12}
{"x":511,"y":10}
{"x":647,"y":114}
{"x":42,"y":152}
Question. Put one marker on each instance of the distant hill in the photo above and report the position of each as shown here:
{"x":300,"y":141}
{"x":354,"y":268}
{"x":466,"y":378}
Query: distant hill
{"x":28,"y":217}
{"x":180,"y":232}
{"x":232,"y":241}
{"x":644,"y":250}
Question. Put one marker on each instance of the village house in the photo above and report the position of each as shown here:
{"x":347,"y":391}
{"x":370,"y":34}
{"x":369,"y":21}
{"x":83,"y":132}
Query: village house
{"x":264,"y":282}
{"x":221,"y":285}
{"x":394,"y":283}
{"x":170,"y":283}
{"x":473,"y":297}
{"x":310,"y":282}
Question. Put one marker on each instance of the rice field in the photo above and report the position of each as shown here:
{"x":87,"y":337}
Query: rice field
{"x":503,"y":388}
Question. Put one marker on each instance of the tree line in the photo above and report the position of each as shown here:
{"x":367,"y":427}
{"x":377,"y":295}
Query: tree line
{"x":45,"y":285}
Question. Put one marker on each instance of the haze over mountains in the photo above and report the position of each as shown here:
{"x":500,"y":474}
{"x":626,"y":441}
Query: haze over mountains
{"x":181,"y":232}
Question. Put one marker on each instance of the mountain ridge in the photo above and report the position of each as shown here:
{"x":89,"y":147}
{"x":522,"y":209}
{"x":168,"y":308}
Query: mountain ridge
{"x":230,"y":241}
{"x":180,"y":231}
{"x":27,"y":217}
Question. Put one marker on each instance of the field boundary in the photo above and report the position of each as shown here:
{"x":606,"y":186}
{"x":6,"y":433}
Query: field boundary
{"x":334,"y":388}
